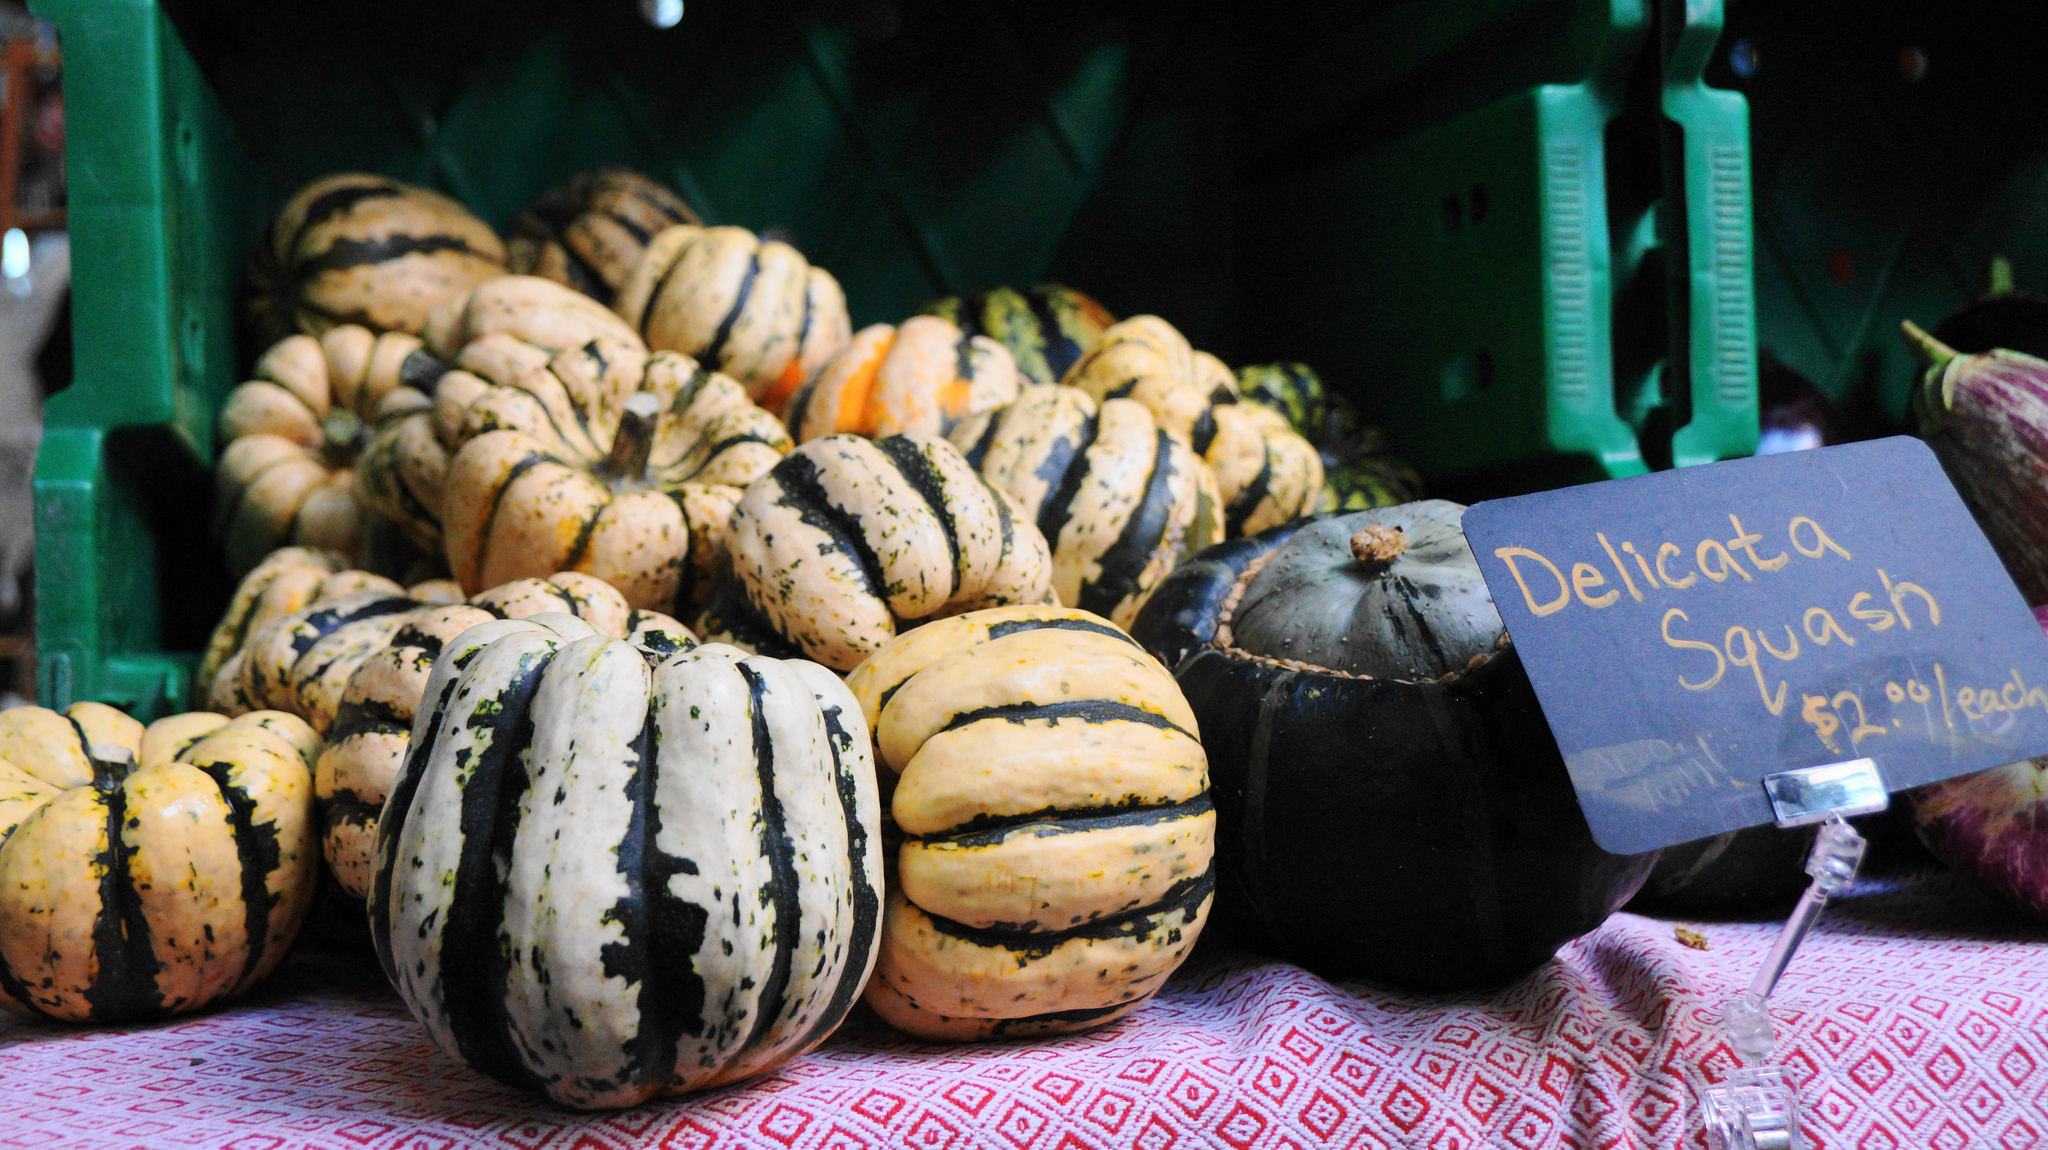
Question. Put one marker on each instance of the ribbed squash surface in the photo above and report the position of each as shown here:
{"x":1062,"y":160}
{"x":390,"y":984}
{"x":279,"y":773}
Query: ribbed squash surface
{"x":367,"y":737}
{"x":754,"y":309}
{"x":849,"y":541}
{"x":539,"y":311}
{"x":1119,"y":500}
{"x":145,"y":873}
{"x":300,"y":662}
{"x":608,"y":873}
{"x":1046,"y":328}
{"x":921,"y":378}
{"x":288,"y":579}
{"x":590,"y":232}
{"x":352,"y":248}
{"x":290,"y":438}
{"x":1267,"y":473}
{"x":1053,"y":796}
{"x":598,"y":459}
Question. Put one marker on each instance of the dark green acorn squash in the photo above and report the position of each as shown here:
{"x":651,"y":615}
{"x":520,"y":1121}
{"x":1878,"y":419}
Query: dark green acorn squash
{"x":1390,"y":801}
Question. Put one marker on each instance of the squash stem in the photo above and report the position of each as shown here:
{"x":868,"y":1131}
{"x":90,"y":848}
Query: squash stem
{"x":635,"y":439}
{"x":111,"y":764}
{"x":342,"y":434}
{"x":1378,"y":545}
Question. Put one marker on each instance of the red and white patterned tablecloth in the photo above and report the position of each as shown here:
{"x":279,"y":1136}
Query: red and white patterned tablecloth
{"x":1917,"y":1017}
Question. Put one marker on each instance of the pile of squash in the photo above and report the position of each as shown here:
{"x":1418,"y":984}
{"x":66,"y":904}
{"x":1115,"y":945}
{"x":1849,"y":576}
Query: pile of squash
{"x":661,"y":667}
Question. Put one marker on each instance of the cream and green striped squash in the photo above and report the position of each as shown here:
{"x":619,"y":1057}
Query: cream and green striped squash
{"x":1118,"y":499}
{"x":1267,"y":473}
{"x":607,"y":874}
{"x":754,"y":309}
{"x":849,"y":541}
{"x":1046,"y":327}
{"x":591,"y":232}
{"x":356,"y":248}
{"x":367,"y":735}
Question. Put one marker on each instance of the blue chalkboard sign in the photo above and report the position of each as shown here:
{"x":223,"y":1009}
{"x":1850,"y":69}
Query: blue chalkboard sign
{"x":1690,"y":632}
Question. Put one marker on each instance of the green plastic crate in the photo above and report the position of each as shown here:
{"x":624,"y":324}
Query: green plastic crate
{"x":913,"y":149}
{"x":1552,"y":287}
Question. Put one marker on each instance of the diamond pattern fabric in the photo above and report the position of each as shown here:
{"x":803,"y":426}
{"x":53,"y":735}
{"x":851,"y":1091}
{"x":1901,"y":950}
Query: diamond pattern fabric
{"x":1917,"y":1016}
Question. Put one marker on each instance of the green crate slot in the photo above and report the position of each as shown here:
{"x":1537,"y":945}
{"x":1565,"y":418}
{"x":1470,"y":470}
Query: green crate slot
{"x":1714,"y":335}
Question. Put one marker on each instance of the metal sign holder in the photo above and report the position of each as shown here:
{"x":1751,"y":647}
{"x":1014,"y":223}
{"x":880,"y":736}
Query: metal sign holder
{"x":1756,"y":1107}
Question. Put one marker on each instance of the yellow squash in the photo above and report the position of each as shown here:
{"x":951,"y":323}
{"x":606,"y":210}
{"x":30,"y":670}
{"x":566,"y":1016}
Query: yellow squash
{"x":149,"y":872}
{"x":1053,"y":797}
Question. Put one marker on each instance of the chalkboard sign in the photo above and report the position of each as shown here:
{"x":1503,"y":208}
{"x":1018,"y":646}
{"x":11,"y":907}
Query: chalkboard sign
{"x":1690,"y":632}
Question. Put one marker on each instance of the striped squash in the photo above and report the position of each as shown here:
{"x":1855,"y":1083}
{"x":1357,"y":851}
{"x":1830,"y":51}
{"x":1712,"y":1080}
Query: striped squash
{"x":537,"y":311}
{"x":286,"y":580}
{"x":366,"y":742}
{"x":922,"y":378}
{"x":149,"y":872}
{"x":589,"y":232}
{"x":287,"y":585}
{"x":753,"y":309}
{"x":1266,"y":472}
{"x":1322,"y":415}
{"x":1358,"y":472}
{"x":1053,"y":796}
{"x":1369,"y":478}
{"x":607,"y":873}
{"x":584,"y":463}
{"x":291,"y":437}
{"x":353,"y":248}
{"x":1118,"y":499}
{"x":301,"y":663}
{"x":849,"y":541}
{"x":1046,"y":328}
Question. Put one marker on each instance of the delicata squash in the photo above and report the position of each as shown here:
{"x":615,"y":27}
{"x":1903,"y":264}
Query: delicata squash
{"x":1119,"y":500}
{"x":355,"y":248}
{"x":849,"y":541}
{"x":754,"y":309}
{"x":291,"y":436}
{"x":1266,"y":472}
{"x":922,"y":377}
{"x":591,"y":232}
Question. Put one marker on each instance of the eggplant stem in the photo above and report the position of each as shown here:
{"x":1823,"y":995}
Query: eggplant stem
{"x":1935,"y":352}
{"x":1935,"y":395}
{"x":2001,"y":276}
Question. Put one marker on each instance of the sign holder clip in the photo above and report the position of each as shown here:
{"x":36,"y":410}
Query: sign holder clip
{"x":1757,"y":1107}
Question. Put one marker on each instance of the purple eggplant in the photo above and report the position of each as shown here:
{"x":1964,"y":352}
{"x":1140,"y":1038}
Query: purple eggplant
{"x":1993,"y":825}
{"x":1986,"y":417}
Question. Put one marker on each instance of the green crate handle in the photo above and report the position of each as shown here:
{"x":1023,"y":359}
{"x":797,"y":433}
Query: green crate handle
{"x":148,"y":141}
{"x":1716,"y":283}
